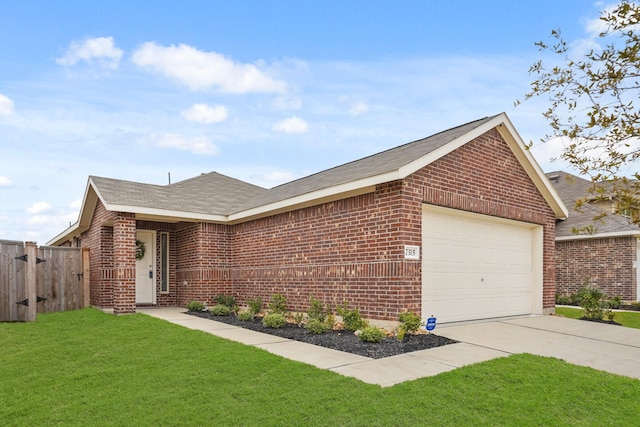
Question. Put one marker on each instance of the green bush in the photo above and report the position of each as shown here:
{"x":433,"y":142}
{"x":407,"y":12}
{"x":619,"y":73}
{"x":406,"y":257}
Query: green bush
{"x":220,"y":310}
{"x":227,"y":300}
{"x":274,"y":320}
{"x":635,"y":305}
{"x":255,"y":305}
{"x":351,"y":318}
{"x":245,"y":316}
{"x":409,"y":324}
{"x":372,"y":334}
{"x":195,"y":306}
{"x":563,"y":300}
{"x":278,"y":304}
{"x":591,"y":301}
{"x":615,"y":302}
{"x":316,"y":309}
{"x":316,"y":326}
{"x":298,"y":319}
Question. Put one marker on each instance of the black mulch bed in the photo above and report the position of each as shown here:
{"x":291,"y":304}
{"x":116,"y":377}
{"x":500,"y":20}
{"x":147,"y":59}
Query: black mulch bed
{"x":345,"y":341}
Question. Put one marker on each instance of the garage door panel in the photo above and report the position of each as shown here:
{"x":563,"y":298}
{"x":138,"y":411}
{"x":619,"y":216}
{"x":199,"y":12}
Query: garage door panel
{"x":475,"y":267}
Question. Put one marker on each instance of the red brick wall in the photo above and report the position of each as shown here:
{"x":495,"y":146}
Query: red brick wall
{"x":607,"y":264}
{"x":348,"y":250}
{"x":124,"y":263}
{"x":99,"y":239}
{"x":202,"y":270}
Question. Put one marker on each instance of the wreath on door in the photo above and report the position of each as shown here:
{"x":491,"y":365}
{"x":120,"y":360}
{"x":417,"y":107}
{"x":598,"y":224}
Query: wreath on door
{"x":140,"y":249}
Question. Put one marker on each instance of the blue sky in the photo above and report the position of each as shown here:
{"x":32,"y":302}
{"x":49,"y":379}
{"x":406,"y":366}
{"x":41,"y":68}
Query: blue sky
{"x":261,"y":91}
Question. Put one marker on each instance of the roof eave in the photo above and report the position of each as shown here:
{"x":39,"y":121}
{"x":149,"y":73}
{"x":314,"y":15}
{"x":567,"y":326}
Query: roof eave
{"x":625,"y":233}
{"x":348,"y":189}
{"x":528,"y":162}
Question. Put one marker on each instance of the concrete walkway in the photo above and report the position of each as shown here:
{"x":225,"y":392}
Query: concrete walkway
{"x":609,"y":348}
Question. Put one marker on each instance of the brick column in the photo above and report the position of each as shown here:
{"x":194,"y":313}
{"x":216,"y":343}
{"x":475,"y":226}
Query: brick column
{"x":124,"y":263}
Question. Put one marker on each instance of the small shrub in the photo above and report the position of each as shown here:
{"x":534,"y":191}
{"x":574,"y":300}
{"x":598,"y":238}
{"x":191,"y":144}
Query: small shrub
{"x":316,"y":326}
{"x":635,"y":305}
{"x":195,"y":306}
{"x":615,"y":302}
{"x":255,"y":305}
{"x":351,"y":318}
{"x":316,"y":309}
{"x":298,"y":319}
{"x":409,"y":323}
{"x":330,"y":320}
{"x":274,"y":320}
{"x":609,"y":313}
{"x":563,"y":300}
{"x":372,"y":334}
{"x":227,"y":300}
{"x":245,"y":316}
{"x":278,"y":304}
{"x":220,"y":310}
{"x":590,"y":300}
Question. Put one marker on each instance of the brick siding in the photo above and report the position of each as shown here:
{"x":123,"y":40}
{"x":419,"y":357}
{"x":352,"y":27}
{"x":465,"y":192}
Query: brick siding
{"x":608,"y":264}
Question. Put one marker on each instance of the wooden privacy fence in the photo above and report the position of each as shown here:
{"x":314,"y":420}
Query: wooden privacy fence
{"x":41,"y":279}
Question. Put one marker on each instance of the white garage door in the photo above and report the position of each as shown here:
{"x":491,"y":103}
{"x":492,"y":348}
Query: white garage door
{"x":477,"y":267}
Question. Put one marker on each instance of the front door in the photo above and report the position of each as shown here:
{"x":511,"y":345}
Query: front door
{"x":146,"y":267}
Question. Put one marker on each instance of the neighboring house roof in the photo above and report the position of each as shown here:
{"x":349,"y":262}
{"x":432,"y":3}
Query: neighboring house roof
{"x":215,"y":197}
{"x":571,"y":188}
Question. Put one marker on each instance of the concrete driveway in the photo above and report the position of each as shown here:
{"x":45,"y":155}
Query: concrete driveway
{"x":610,"y":348}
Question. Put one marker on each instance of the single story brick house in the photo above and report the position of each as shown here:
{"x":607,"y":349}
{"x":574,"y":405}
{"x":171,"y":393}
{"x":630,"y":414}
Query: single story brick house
{"x":603,"y":253}
{"x":459,"y":225}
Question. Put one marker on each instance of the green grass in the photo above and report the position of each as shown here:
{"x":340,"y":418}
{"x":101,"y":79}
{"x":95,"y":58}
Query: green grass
{"x":88,"y":368}
{"x":630,"y":319}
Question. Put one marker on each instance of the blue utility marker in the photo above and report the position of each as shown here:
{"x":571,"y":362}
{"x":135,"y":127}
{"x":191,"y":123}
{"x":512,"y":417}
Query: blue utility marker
{"x":431,"y":324}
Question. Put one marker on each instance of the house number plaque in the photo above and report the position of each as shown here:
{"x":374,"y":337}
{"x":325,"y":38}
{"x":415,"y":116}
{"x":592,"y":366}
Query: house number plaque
{"x":411,"y":252}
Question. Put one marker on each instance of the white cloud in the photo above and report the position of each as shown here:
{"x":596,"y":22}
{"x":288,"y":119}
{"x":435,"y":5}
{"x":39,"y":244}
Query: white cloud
{"x":100,"y":50}
{"x":358,"y":109}
{"x":39,"y":207}
{"x":194,"y":144}
{"x":203,"y":113}
{"x":5,"y":182}
{"x":6,"y":105}
{"x":291,"y":125}
{"x":284,"y":103}
{"x":203,"y":70}
{"x":76,"y":204}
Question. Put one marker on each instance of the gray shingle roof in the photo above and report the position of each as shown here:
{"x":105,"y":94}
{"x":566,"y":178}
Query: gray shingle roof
{"x":571,"y":188}
{"x":377,"y":164}
{"x":216,"y":194}
{"x":210,"y":193}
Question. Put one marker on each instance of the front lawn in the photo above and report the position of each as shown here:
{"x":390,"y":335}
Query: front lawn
{"x":630,"y":319}
{"x":88,"y":368}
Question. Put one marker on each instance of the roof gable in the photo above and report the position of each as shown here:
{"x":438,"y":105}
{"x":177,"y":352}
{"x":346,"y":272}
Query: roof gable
{"x":215,"y":197}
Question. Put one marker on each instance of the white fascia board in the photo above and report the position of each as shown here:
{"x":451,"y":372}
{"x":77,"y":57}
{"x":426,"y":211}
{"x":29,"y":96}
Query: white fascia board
{"x":305,"y":199}
{"x":163,"y":213}
{"x":85,"y":213}
{"x":529,"y":163}
{"x":64,"y":236}
{"x":600,"y":235}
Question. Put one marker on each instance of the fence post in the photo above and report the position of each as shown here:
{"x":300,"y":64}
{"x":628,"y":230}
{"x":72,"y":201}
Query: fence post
{"x":86,"y":278}
{"x":30,"y":281}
